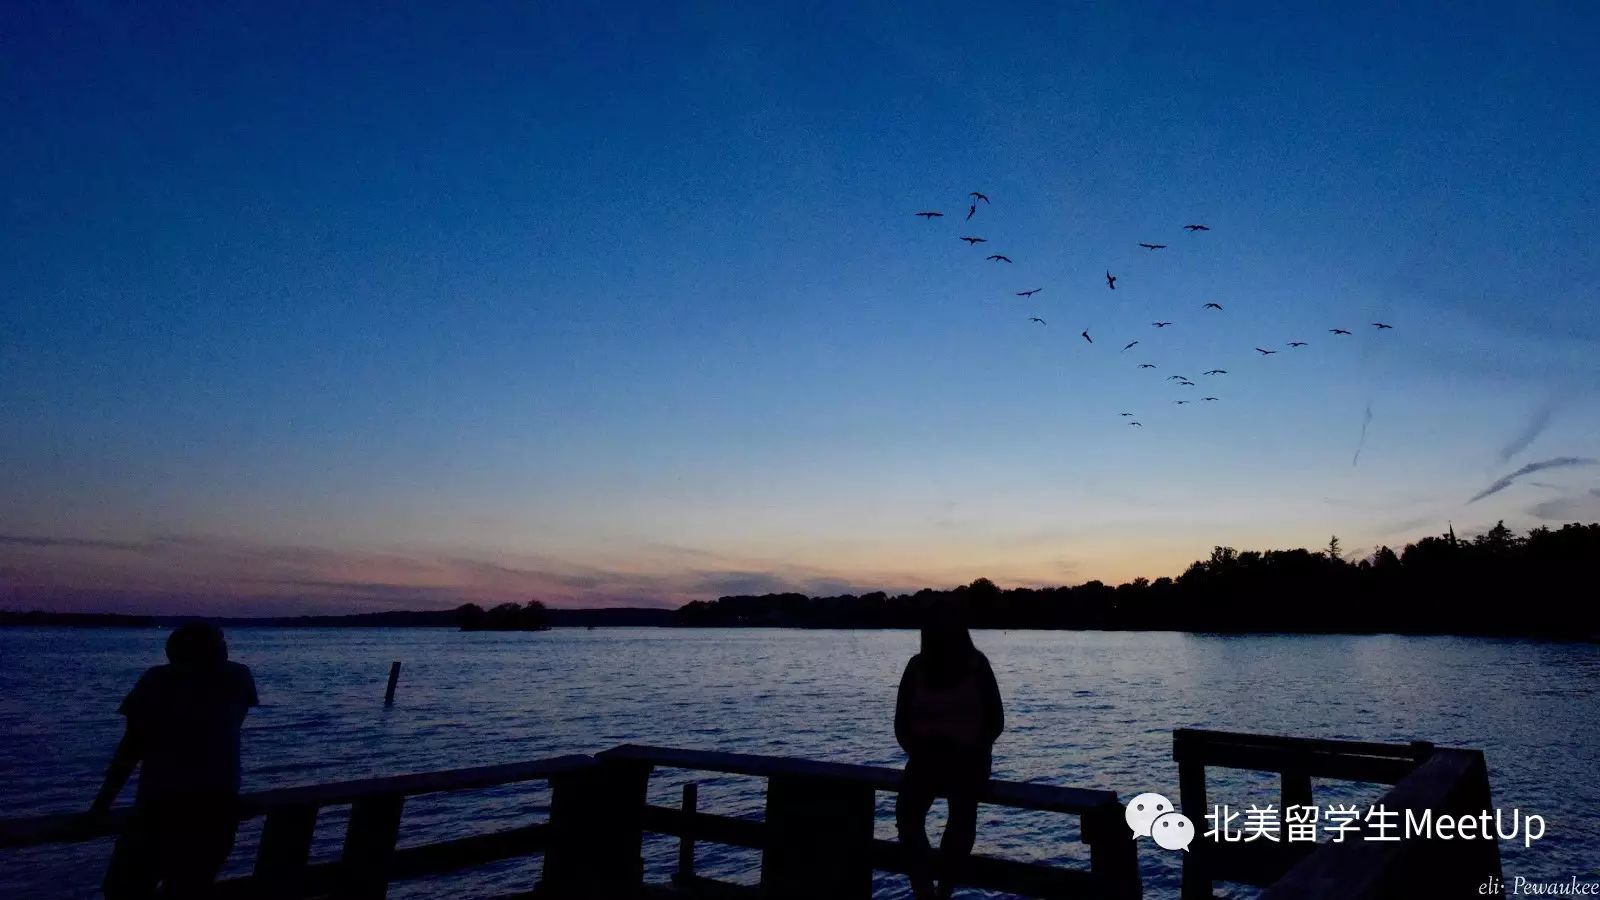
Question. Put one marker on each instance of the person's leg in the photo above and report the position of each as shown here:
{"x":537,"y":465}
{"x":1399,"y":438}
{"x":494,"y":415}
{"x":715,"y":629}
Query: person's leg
{"x":961,"y":828}
{"x":196,"y":842}
{"x":911,"y":807}
{"x":960,"y":832}
{"x":132,"y":873}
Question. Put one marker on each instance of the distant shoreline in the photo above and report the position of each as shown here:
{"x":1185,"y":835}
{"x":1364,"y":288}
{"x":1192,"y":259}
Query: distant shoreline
{"x":650,"y":617}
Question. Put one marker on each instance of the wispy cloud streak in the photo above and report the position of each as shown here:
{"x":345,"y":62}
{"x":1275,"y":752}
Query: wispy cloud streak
{"x":1559,"y":462}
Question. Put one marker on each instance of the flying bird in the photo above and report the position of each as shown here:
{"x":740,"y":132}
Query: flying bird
{"x":1152,"y":246}
{"x":930,"y":215}
{"x":970,"y":210}
{"x":1137,"y":424}
{"x":1216,"y":306}
{"x":1130,"y":346}
{"x":1147,"y":365}
{"x":1160,"y":324}
{"x":1380,"y":326}
{"x":1208,"y":398}
{"x":1186,"y":383}
{"x":974,"y":240}
{"x":1180,"y":402}
{"x":1297,"y":343}
{"x":1265,"y":352}
{"x":1196,"y":228}
{"x":1111,"y":280}
{"x":1127,"y":414}
{"x":1216,"y":372}
{"x":998,"y":258}
{"x":1086,"y":337}
{"x":1337,"y":331}
{"x":1176,"y":378}
{"x":1037,"y":319}
{"x":1029,"y":293}
{"x":977,"y":196}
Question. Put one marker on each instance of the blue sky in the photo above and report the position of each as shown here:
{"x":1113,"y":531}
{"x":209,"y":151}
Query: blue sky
{"x":332,"y":307}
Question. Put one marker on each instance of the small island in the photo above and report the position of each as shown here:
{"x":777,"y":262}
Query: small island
{"x":530,"y":616}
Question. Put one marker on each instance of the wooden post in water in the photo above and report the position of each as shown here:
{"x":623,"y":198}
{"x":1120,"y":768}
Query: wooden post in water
{"x":394,"y":679}
{"x":691,"y":803}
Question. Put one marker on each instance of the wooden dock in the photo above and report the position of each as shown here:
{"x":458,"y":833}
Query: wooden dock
{"x":816,"y":836}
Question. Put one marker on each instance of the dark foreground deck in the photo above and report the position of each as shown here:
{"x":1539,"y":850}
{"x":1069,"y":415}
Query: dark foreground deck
{"x":816,"y":838}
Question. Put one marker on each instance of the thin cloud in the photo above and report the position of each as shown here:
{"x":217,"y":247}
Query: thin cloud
{"x":1559,"y":462}
{"x":1568,"y":509}
{"x":1535,"y":426}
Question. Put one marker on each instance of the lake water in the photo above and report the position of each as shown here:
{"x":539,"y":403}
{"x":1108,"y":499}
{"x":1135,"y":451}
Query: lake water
{"x":1085,"y":709}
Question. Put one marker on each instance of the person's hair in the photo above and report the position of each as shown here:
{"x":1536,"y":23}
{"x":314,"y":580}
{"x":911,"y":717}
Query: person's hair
{"x":197,"y":644}
{"x":947,"y":648}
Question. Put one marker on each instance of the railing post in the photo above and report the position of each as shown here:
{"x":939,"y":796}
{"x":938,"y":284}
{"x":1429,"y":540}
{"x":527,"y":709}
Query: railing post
{"x":691,"y":803}
{"x":369,"y":846}
{"x":1113,"y":856}
{"x":1295,"y":790}
{"x":819,"y":839}
{"x":597,"y":831}
{"x":1192,"y":799}
{"x":280,"y":869}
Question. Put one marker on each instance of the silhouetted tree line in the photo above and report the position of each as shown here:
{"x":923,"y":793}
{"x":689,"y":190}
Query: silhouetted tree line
{"x":530,"y":616}
{"x":1498,"y":583}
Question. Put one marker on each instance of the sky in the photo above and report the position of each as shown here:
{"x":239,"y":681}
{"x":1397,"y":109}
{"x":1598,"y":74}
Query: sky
{"x":347,"y":307}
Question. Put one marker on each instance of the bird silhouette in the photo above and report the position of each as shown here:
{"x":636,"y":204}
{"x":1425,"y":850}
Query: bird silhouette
{"x":1160,"y":324}
{"x":1380,"y":326}
{"x":1297,"y":343}
{"x":977,"y":196}
{"x":1029,"y":293}
{"x":1196,"y":228}
{"x":1216,"y":372}
{"x":1127,"y":414}
{"x":1208,"y":398}
{"x":1136,"y":424}
{"x":998,"y":258}
{"x":930,"y":215}
{"x":1176,"y":378}
{"x":1180,"y":402}
{"x":1111,"y":280}
{"x":1153,"y":246}
{"x":1186,"y":383}
{"x":1265,"y":352}
{"x":1147,"y":365}
{"x":974,"y":240}
{"x":1216,"y":306}
{"x":1337,"y":331}
{"x":1086,"y":337}
{"x":1037,"y":319}
{"x":970,"y":210}
{"x":1130,"y":346}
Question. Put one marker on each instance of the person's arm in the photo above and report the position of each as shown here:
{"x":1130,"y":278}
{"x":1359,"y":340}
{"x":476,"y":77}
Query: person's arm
{"x":994,"y":712}
{"x":129,"y":751}
{"x":902,"y":708}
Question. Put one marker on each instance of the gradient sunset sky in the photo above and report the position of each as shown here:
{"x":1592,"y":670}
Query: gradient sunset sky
{"x":345,"y":307}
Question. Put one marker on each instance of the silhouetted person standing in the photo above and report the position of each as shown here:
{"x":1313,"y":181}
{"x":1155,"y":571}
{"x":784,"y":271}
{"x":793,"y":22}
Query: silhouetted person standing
{"x":947,"y":717}
{"x":183,"y":729}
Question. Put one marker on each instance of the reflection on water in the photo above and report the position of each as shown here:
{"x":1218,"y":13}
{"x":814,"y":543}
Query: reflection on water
{"x":1086,"y":709}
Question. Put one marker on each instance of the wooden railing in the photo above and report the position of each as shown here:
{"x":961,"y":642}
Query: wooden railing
{"x":816,"y":838}
{"x":370,"y":859}
{"x":817,"y":834}
{"x":1424,"y":777}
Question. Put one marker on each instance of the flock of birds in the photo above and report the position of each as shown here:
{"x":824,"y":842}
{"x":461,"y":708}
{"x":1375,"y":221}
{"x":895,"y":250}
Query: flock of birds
{"x":977,"y":197}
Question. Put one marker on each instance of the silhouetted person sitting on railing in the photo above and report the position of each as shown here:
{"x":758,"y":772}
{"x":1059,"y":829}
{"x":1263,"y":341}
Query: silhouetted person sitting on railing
{"x":183,"y":728}
{"x":947,"y":717}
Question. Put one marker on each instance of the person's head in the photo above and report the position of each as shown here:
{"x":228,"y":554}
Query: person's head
{"x":197,"y":644}
{"x":946,"y":643}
